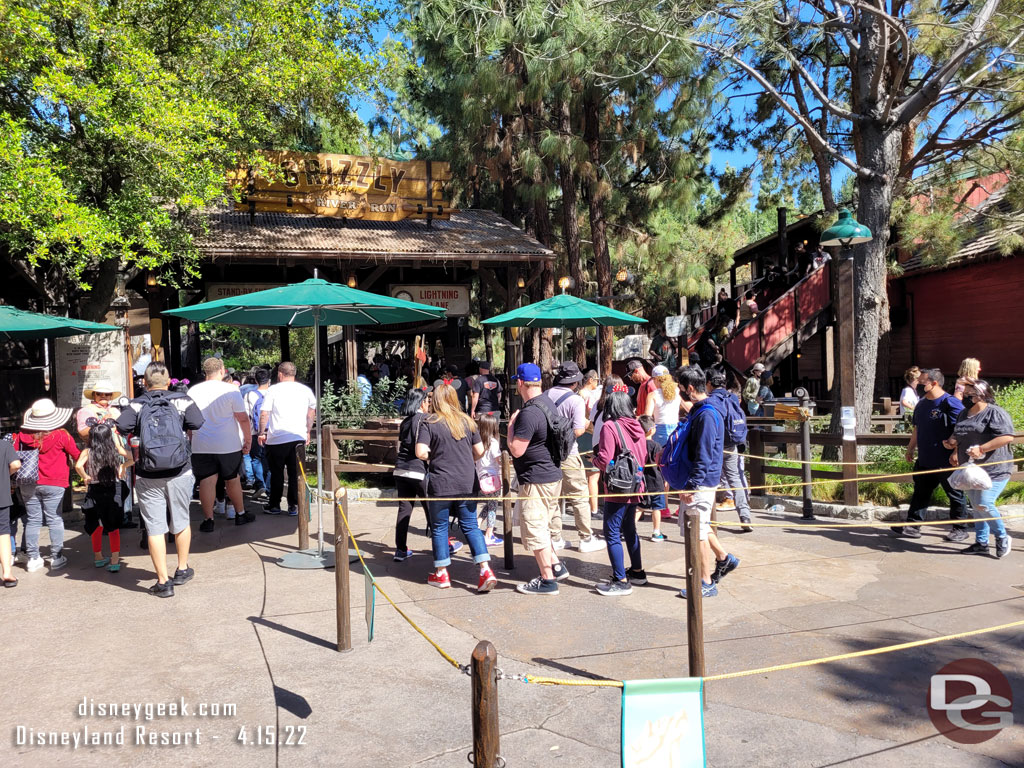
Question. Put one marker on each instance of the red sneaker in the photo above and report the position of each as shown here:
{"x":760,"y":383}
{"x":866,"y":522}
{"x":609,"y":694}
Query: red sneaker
{"x":487,"y":580}
{"x":439,"y":580}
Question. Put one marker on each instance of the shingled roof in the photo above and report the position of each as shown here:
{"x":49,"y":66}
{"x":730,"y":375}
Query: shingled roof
{"x":985,"y":229}
{"x":468,"y":235}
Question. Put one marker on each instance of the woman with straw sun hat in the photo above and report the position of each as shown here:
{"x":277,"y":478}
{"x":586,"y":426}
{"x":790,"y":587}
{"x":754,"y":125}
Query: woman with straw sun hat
{"x":42,"y":432}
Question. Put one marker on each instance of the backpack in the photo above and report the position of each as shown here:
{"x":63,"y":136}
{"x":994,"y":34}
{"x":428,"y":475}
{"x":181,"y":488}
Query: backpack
{"x":735,"y":421}
{"x":561,"y":436}
{"x":625,"y":474}
{"x":163,"y":446}
{"x":254,"y":406}
{"x":675,"y":459}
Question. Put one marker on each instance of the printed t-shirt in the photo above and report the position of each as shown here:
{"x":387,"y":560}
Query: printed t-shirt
{"x":489,"y":390}
{"x":979,"y":429}
{"x":934,"y":420}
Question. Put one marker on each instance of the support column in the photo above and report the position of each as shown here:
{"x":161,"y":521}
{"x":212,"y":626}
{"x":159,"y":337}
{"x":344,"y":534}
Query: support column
{"x":173,"y":334}
{"x":286,"y":347}
{"x":351,"y":362}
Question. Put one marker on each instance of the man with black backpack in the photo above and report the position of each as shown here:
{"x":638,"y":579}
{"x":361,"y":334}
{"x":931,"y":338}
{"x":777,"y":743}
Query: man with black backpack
{"x":735,"y":438}
{"x":573,"y":410}
{"x":537,"y":444}
{"x":164,"y":481}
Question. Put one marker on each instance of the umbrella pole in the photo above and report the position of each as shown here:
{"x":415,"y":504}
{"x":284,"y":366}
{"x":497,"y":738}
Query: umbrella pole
{"x":319,"y":441}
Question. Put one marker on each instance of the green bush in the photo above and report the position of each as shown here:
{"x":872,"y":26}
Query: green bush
{"x":1011,"y":399}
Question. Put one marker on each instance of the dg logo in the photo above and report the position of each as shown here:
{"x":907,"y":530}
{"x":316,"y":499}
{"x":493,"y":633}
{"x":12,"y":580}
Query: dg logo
{"x":970,"y":701}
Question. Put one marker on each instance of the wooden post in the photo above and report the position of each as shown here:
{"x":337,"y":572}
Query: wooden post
{"x":303,"y":505}
{"x":694,"y":606}
{"x":351,"y":353}
{"x":851,"y":495}
{"x":341,"y":574}
{"x":330,"y":451}
{"x":506,"y":510}
{"x":484,"y":665}
{"x":805,"y":452}
{"x":756,"y":464}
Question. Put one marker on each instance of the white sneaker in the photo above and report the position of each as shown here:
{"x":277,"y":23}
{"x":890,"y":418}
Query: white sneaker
{"x":230,"y":514}
{"x":218,"y":507}
{"x":593,"y":544}
{"x":35,"y":564}
{"x":557,"y":545}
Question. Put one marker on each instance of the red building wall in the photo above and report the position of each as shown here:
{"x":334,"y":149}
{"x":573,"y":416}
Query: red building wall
{"x":972,"y":311}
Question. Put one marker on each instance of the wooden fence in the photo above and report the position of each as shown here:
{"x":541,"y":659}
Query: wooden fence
{"x":760,"y":442}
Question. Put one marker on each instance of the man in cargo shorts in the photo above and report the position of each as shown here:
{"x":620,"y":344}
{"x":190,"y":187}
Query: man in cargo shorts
{"x":168,"y":488}
{"x":540,"y":480}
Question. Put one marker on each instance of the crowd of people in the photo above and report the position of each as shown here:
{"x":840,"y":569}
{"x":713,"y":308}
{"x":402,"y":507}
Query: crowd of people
{"x":161,"y":448}
{"x":573,"y":445}
{"x":607,"y":451}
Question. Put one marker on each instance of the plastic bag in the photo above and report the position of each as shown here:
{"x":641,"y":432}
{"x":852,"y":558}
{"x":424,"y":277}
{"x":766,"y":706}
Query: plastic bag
{"x":970,"y":477}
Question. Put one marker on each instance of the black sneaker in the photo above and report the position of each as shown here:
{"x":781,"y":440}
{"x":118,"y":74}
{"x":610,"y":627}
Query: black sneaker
{"x":896,"y":531}
{"x":560,"y":572}
{"x":614,"y":588}
{"x":180,"y":576}
{"x":976,"y":549}
{"x":636,"y":576}
{"x":1003,"y":546}
{"x":206,"y":526}
{"x":912,"y":532}
{"x":745,"y":524}
{"x":248,"y":517}
{"x":162,"y":590}
{"x":539,"y":586}
{"x":957,"y":535}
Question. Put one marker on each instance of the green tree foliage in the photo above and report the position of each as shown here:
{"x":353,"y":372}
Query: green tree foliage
{"x":118,"y":119}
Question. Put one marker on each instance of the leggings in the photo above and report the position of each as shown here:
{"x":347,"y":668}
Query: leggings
{"x":408,"y":488}
{"x":97,"y":540}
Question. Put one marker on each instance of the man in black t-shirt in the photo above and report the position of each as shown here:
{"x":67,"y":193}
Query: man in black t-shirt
{"x":540,"y":480}
{"x":9,"y":464}
{"x":486,"y":393}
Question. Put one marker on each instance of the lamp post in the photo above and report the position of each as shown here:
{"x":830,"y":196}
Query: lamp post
{"x":846,"y":233}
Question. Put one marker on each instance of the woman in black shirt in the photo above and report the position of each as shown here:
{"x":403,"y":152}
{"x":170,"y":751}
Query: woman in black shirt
{"x":410,"y":472}
{"x":448,"y":439}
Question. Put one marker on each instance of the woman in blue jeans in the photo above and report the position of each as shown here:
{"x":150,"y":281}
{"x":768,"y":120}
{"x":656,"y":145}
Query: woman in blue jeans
{"x":983,"y":434}
{"x":620,"y":431}
{"x":449,"y":441}
{"x":41,"y":431}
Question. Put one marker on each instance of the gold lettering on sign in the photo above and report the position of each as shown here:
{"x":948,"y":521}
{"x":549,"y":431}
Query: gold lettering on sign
{"x":364,"y":168}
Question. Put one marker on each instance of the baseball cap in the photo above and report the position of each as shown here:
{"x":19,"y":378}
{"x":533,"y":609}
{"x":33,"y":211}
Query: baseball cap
{"x":528,"y":373}
{"x":758,"y":368}
{"x":484,"y":365}
{"x":634,"y":365}
{"x":659,"y":370}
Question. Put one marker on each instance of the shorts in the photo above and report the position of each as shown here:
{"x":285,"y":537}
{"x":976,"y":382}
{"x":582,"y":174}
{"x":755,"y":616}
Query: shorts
{"x":703,"y":502}
{"x":538,"y":506}
{"x":225,"y":465}
{"x":5,"y":521}
{"x":157,"y":495}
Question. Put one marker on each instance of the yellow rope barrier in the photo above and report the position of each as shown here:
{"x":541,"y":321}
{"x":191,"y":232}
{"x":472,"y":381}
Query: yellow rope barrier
{"x":767,"y":486}
{"x":539,"y":680}
{"x":791,"y":665}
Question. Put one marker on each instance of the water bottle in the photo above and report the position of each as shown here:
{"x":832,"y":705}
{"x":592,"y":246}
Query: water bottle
{"x":776,"y":510}
{"x":848,"y":420}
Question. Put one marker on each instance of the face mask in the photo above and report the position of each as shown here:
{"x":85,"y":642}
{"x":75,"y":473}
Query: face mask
{"x":685,"y":397}
{"x":969,"y":402}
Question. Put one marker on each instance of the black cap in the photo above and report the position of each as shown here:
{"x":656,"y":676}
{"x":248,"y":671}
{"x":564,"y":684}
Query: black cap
{"x":634,"y":365}
{"x":568,"y":373}
{"x":484,"y":364}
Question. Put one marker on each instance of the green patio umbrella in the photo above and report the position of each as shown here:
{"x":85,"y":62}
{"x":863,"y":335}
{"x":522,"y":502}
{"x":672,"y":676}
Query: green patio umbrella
{"x":312,"y":303}
{"x":19,"y":324}
{"x":564,"y":311}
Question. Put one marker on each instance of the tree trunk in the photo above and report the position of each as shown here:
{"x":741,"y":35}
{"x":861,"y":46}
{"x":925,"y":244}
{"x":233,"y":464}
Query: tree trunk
{"x":571,"y":230}
{"x":596,"y":199}
{"x":94,"y":305}
{"x":881,"y":153}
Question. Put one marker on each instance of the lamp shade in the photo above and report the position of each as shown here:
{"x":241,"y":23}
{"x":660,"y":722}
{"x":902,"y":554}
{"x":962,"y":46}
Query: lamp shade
{"x":846,"y":231}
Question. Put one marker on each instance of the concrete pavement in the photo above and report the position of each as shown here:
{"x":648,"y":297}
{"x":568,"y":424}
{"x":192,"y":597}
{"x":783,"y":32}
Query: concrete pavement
{"x":249,"y":634}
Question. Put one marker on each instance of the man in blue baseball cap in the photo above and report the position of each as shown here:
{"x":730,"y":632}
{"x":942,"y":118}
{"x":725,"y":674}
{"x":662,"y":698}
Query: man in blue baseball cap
{"x":540,"y":479}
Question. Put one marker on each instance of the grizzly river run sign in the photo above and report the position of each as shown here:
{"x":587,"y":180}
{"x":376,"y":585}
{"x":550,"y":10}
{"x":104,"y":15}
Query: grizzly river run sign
{"x":345,"y":186}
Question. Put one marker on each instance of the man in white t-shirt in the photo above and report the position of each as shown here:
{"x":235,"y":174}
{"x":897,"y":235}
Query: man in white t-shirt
{"x":218,"y":446}
{"x":286,"y":419}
